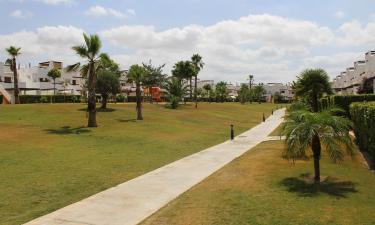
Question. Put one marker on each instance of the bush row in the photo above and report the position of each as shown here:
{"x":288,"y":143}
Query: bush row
{"x":363,"y":117}
{"x":344,"y":101}
{"x":31,"y":99}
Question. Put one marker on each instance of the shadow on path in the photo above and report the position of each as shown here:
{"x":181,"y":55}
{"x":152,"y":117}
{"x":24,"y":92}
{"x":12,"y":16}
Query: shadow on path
{"x":69,"y":130}
{"x":304,"y":186}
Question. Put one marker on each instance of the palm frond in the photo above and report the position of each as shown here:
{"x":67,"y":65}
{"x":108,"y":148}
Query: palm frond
{"x":81,"y":50}
{"x":73,"y":67}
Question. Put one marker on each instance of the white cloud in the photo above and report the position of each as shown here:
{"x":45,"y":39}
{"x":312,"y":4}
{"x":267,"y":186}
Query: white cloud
{"x":99,"y":11}
{"x":273,"y":48}
{"x":49,"y":42}
{"x":56,"y":2}
{"x":19,"y":14}
{"x":339,"y":14}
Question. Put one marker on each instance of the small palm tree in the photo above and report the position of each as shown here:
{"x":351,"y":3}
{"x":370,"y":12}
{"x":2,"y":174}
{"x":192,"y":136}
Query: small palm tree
{"x":305,"y":130}
{"x":90,"y":51}
{"x":175,"y":90}
{"x":14,"y":52}
{"x":198,"y":64}
{"x":137,"y":74}
{"x":54,"y":74}
{"x":312,"y":84}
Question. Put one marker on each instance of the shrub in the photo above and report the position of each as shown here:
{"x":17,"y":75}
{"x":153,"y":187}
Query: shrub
{"x":120,"y":98}
{"x":296,"y":106}
{"x":32,"y":99}
{"x":344,"y":101}
{"x":363,"y":117}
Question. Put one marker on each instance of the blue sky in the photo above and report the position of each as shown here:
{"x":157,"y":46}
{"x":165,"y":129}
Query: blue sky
{"x":273,"y":39}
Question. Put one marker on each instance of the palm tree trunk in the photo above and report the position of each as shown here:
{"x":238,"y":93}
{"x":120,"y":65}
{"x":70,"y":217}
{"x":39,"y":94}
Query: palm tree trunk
{"x":15,"y":82}
{"x":316,"y":148}
{"x":139,"y":101}
{"x":191,"y":89}
{"x":91,"y":101}
{"x":315,"y":106}
{"x":195,"y":92}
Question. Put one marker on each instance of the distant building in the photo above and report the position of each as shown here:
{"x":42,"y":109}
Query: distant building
{"x":272,"y":89}
{"x":350,"y":81}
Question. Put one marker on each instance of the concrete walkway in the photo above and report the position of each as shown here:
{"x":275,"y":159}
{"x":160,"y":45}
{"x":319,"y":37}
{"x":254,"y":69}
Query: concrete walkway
{"x":133,"y":201}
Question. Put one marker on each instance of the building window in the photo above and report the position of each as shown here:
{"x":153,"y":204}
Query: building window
{"x":43,"y":79}
{"x":74,"y":82}
{"x":7,"y":80}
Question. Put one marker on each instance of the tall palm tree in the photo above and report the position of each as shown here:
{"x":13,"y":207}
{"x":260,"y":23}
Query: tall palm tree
{"x":305,"y":130}
{"x":137,"y":74}
{"x":251,"y":81}
{"x":198,"y":64}
{"x":14,"y":52}
{"x":312,"y":84}
{"x":90,"y":52}
{"x":54,"y":74}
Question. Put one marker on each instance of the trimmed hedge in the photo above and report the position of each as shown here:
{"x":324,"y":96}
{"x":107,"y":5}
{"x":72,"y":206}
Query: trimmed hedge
{"x":344,"y":101}
{"x":31,"y":99}
{"x":363,"y":117}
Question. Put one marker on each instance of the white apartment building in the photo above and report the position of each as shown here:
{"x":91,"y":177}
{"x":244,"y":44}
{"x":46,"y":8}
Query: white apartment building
{"x":349,"y":81}
{"x":34,"y":80}
{"x":284,"y":90}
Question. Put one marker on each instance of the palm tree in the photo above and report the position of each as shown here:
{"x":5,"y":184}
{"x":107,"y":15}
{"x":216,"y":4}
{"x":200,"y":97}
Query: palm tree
{"x":184,"y":70}
{"x":90,"y":52}
{"x":137,"y":74}
{"x":251,"y":81}
{"x":175,"y":90}
{"x":221,"y":91}
{"x":198,"y":64}
{"x":304,"y":130}
{"x":54,"y":74}
{"x":14,"y":52}
{"x":65,"y":83}
{"x":312,"y":84}
{"x":108,"y":84}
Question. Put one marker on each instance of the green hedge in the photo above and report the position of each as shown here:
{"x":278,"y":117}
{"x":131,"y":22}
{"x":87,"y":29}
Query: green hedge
{"x":363,"y":117}
{"x":344,"y":101}
{"x":31,"y":99}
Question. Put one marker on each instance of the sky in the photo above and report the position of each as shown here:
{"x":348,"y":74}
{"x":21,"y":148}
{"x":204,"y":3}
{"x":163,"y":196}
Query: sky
{"x":274,"y":40}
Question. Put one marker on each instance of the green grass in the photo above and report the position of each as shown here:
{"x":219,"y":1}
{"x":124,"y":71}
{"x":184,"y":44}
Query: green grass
{"x":48,"y":159}
{"x":262,"y":188}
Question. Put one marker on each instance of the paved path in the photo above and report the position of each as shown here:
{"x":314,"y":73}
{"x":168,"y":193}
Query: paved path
{"x":133,"y":201}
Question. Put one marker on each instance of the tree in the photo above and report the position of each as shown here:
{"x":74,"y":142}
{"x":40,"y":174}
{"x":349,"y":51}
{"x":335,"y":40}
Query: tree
{"x":65,"y":84}
{"x":243,"y":93}
{"x":154,"y":78}
{"x":137,"y":74}
{"x":54,"y":74}
{"x":258,"y":92}
{"x":184,"y":70}
{"x":367,"y":86}
{"x":198,"y":64}
{"x":175,"y":90}
{"x":108,"y":83}
{"x":207,"y":89}
{"x":251,"y":81}
{"x":221,"y":91}
{"x":90,"y":51}
{"x":312,"y":84}
{"x":14,"y":52}
{"x":304,"y":130}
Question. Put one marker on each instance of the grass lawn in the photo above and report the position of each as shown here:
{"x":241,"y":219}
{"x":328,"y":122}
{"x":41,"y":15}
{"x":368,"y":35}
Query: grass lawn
{"x":262,"y":188}
{"x":48,"y":159}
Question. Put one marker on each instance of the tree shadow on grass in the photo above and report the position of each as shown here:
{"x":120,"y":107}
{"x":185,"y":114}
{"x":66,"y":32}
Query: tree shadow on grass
{"x":304,"y":186}
{"x":69,"y":130}
{"x":99,"y":110}
{"x":127,"y":120}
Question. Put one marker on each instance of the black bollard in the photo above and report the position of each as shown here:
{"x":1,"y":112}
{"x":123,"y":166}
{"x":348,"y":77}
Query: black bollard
{"x":264,"y":118}
{"x":272,"y":112}
{"x":231,"y":132}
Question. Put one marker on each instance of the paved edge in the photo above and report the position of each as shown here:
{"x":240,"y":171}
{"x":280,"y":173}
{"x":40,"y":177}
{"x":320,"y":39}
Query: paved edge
{"x":133,"y":201}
